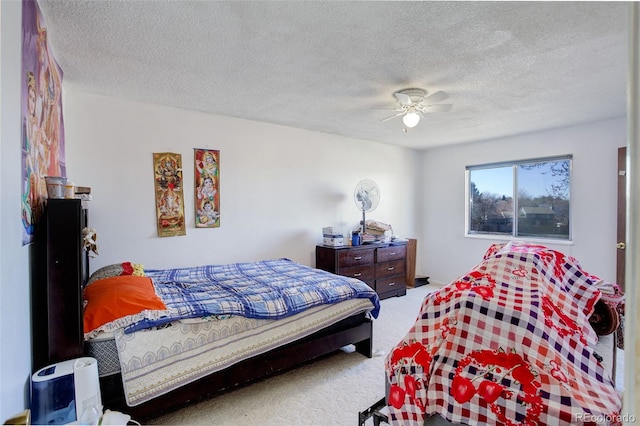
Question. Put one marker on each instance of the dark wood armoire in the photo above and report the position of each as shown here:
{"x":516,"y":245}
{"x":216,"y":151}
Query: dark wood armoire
{"x":59,"y":268}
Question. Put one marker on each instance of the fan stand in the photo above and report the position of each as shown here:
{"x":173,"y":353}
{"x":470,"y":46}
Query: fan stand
{"x":363,"y":222}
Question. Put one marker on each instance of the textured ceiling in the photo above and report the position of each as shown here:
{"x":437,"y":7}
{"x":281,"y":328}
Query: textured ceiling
{"x":509,"y":67}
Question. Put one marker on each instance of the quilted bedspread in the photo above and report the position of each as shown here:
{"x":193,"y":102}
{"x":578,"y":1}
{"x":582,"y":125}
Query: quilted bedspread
{"x":508,"y":343}
{"x":268,"y":289}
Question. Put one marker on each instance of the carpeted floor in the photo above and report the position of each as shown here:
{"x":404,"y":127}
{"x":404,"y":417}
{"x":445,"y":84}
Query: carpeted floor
{"x":329,"y":391}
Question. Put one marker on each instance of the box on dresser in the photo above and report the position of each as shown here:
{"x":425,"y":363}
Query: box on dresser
{"x":381,"y":266}
{"x":333,"y":240}
{"x":332,"y":236}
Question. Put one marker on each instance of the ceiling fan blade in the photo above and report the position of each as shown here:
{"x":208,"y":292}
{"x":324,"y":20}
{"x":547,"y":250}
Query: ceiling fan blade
{"x":393,"y":116}
{"x":434,"y":98}
{"x":437,"y":108}
{"x":403,"y":98}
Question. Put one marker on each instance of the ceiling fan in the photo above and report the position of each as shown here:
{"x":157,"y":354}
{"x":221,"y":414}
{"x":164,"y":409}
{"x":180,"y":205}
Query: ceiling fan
{"x":412,"y":103}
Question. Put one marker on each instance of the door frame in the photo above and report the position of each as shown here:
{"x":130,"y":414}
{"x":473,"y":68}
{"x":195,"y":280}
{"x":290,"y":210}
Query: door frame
{"x":621,"y":218}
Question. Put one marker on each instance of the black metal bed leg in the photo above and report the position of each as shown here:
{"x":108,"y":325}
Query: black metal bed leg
{"x":374,"y":412}
{"x":378,"y":417}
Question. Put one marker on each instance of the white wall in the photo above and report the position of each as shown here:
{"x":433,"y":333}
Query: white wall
{"x":15,"y":335}
{"x":448,"y":254}
{"x":279,"y":186}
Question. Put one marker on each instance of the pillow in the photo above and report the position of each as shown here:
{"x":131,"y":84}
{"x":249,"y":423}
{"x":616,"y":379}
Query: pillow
{"x":124,"y":268}
{"x":117,"y":302}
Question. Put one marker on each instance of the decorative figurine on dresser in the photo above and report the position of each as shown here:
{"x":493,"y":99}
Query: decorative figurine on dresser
{"x":59,"y":269}
{"x":382,"y":266}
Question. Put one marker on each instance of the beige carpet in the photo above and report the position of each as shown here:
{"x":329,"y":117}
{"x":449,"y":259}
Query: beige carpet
{"x":330,"y":391}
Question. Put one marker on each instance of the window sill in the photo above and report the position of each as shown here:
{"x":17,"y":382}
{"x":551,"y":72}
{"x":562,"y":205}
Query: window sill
{"x":526,"y":240}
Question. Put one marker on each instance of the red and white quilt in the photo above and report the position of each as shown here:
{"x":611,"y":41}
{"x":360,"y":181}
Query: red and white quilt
{"x":508,"y":343}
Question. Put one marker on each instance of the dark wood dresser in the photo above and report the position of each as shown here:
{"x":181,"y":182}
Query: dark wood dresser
{"x":381,"y":266}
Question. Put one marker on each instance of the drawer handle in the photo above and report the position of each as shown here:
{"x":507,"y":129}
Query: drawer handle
{"x":357,"y":258}
{"x":392,"y":253}
{"x":357,"y":274}
{"x":391,"y":268}
{"x":393,"y":283}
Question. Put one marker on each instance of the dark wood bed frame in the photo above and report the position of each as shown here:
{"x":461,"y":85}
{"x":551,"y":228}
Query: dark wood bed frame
{"x":60,"y":268}
{"x":355,"y":330}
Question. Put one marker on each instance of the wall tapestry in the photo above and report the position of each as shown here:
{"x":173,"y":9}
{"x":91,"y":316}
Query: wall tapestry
{"x":167,"y":167}
{"x":42,"y":124}
{"x":207,"y":185}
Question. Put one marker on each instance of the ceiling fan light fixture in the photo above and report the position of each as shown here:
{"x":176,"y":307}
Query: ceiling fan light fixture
{"x":412,"y":103}
{"x":411,"y":119}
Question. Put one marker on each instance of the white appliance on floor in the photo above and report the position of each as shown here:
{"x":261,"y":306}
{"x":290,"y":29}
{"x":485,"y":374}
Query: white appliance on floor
{"x":66,"y":392}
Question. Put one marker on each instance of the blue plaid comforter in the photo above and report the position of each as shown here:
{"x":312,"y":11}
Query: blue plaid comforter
{"x":269,"y":289}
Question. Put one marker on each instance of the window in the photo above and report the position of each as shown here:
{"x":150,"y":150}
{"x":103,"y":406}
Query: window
{"x":526,"y":199}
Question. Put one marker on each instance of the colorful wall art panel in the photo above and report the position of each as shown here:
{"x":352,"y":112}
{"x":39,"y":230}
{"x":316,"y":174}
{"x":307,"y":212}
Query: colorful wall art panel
{"x":207,"y":188}
{"x":42,"y":125}
{"x":167,"y":168}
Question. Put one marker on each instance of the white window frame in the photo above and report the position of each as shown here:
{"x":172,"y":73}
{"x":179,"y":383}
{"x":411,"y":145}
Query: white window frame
{"x":514,"y":231}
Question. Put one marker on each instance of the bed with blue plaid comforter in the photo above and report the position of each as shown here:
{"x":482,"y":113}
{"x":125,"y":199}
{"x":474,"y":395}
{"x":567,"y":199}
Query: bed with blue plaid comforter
{"x":268,"y":289}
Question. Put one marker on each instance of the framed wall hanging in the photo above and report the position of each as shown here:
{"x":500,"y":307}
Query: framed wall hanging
{"x":207,"y":188}
{"x":167,"y":167}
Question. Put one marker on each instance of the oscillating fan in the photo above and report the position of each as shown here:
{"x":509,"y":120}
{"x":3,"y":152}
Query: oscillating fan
{"x":366,"y":197}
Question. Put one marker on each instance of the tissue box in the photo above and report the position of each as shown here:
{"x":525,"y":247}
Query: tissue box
{"x":331,"y":230}
{"x":333,"y":241}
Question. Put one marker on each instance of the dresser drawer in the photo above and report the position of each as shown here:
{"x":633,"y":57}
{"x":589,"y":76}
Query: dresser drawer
{"x":390,"y":269}
{"x":355,"y":257}
{"x":387,"y":285}
{"x":361,"y":272}
{"x":384,"y":254}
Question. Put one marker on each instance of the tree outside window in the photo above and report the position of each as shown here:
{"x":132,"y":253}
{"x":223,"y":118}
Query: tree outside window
{"x":525,"y":199}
